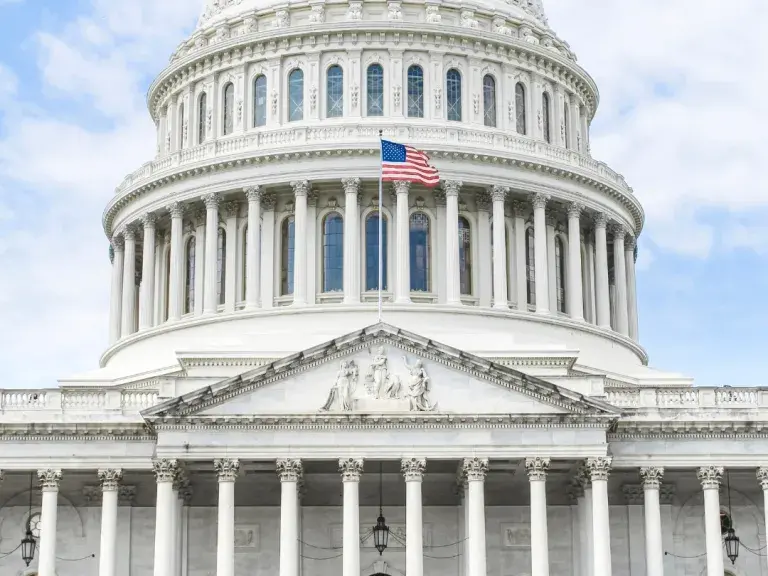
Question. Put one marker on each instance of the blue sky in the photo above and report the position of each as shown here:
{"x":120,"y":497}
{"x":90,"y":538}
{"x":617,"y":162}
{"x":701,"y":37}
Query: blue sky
{"x":681,"y":116}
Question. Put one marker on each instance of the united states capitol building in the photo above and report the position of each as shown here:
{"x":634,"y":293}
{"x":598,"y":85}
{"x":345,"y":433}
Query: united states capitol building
{"x":251,"y":416}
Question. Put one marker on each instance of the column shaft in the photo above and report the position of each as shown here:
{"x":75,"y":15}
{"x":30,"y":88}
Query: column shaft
{"x":500,"y":299}
{"x":225,"y":545}
{"x":108,"y":547}
{"x":128,"y":322}
{"x":575,"y":295}
{"x":762,"y":477}
{"x":654,"y":549}
{"x":253,"y":250}
{"x":165,"y":472}
{"x":601,"y":537}
{"x":300,"y":190}
{"x":413,"y":471}
{"x":210,"y":291}
{"x":403,"y":279}
{"x":521,"y":281}
{"x":589,"y":548}
{"x":540,"y":253}
{"x":351,"y":469}
{"x":147,"y":294}
{"x":710,"y":477}
{"x":475,"y":470}
{"x":289,"y":472}
{"x":537,"y":473}
{"x":49,"y":485}
{"x":173,"y":558}
{"x":116,"y":295}
{"x":601,"y":273}
{"x":629,"y":258}
{"x":619,"y":266}
{"x":230,"y":273}
{"x":351,"y":241}
{"x":175,"y":292}
{"x":452,"y":272}
{"x":200,"y":247}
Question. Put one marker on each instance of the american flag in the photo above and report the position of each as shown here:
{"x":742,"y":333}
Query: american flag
{"x":399,"y":162}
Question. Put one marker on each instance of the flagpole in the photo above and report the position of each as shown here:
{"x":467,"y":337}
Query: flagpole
{"x":381,"y":221}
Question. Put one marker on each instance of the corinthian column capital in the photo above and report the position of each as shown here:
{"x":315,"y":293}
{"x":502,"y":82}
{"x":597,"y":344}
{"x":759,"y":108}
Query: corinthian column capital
{"x":575,"y":209}
{"x":289,"y":469}
{"x":49,"y":479}
{"x":351,"y":469}
{"x":499,"y":193}
{"x":176,"y":209}
{"x":165,"y":469}
{"x":149,"y":220}
{"x":601,"y":220}
{"x":599,"y":468}
{"x":539,"y":200}
{"x":211,"y":201}
{"x":118,"y":243}
{"x":710,"y":476}
{"x":413,"y":469}
{"x":351,"y":185}
{"x":300,"y":187}
{"x":452,"y":187}
{"x":475,"y":469}
{"x":253,"y":193}
{"x":401,"y":187}
{"x":110,"y":479}
{"x":651,"y":476}
{"x":537,"y":468}
{"x":227,"y":469}
{"x":762,"y":477}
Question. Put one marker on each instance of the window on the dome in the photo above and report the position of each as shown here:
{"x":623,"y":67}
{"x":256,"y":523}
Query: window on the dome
{"x":244,"y":269}
{"x":530,"y":266}
{"x":415,"y":92}
{"x":520,"y":118}
{"x":489,"y":101}
{"x":545,"y":111}
{"x":181,"y":126}
{"x":221,"y":265}
{"x":465,"y":256}
{"x":420,"y":252}
{"x":453,"y":94}
{"x":334,"y":92}
{"x":166,"y":286}
{"x":260,"y":101}
{"x":286,"y":257}
{"x":333,"y":253}
{"x":189,"y":277}
{"x":566,"y":121}
{"x":202,"y":110}
{"x":372,"y":252}
{"x":296,"y":96}
{"x":560,"y":273}
{"x":375,"y":90}
{"x":229,"y":108}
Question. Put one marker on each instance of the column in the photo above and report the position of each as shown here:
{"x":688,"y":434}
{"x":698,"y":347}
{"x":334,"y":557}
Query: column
{"x":146,"y":296}
{"x":226,"y":471}
{"x":110,"y":481}
{"x":601,"y":273}
{"x":452,"y":272}
{"x":128,"y":322}
{"x":591,"y":280}
{"x":160,"y":277}
{"x":312,"y":249}
{"x":289,"y":471}
{"x":575,"y":295}
{"x":267,"y":250}
{"x":581,"y":527}
{"x":413,"y":471}
{"x":619,"y":265}
{"x":599,"y":468}
{"x":710,"y":477}
{"x":351,"y":469}
{"x":551,"y":270}
{"x":184,"y":495}
{"x":762,"y":477}
{"x":440,"y":208}
{"x":116,"y":294}
{"x":500,"y":302}
{"x":539,"y":202}
{"x":300,"y":190}
{"x":230,"y":262}
{"x":402,"y":244}
{"x":521,"y":280}
{"x":484,"y":284}
{"x":351,"y":240}
{"x":174,"y":526}
{"x":476,"y":470}
{"x":175,"y":292}
{"x":200,"y":223}
{"x":49,"y":486}
{"x":537,"y":475}
{"x":589,"y":548}
{"x":210,"y":291}
{"x":253,"y":248}
{"x":629,"y":259}
{"x":654,"y":550}
{"x":165,"y":472}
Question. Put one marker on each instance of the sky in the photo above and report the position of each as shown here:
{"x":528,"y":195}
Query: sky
{"x":682,"y":116}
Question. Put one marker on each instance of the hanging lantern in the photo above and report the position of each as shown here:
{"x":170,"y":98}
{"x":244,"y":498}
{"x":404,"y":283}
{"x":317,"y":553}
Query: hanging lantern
{"x":28,"y":545}
{"x":381,"y":535}
{"x":732,"y":545}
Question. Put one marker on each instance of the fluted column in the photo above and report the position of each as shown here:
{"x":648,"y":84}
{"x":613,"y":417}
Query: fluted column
{"x":629,"y":258}
{"x":475,"y":470}
{"x":128,"y":322}
{"x":413,"y":471}
{"x":116,"y":294}
{"x":289,"y":471}
{"x":601,"y":273}
{"x":710,"y":477}
{"x":537,"y":475}
{"x":49,"y":486}
{"x":110,"y":482}
{"x":300,"y":191}
{"x":165,"y":473}
{"x":147,"y":293}
{"x":253,"y":251}
{"x":575,"y":293}
{"x":403,"y":276}
{"x":521,"y":281}
{"x":620,"y":269}
{"x":210,"y":292}
{"x":175,"y":292}
{"x":227,"y":471}
{"x":351,"y":240}
{"x":599,"y":468}
{"x":200,"y":217}
{"x":351,"y":469}
{"x":654,"y":549}
{"x":589,"y":548}
{"x":762,"y":477}
{"x":539,"y":202}
{"x":452,"y":272}
{"x":500,"y":299}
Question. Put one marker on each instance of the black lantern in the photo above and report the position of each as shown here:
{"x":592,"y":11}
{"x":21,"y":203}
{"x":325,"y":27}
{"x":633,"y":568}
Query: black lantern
{"x":381,"y":530}
{"x":28,"y":543}
{"x":732,"y":545}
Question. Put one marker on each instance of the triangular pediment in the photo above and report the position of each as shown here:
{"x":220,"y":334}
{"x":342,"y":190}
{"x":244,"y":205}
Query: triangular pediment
{"x":381,"y":370}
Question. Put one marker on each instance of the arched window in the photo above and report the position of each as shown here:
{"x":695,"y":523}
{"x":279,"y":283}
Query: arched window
{"x":189,"y":277}
{"x":286,"y":257}
{"x":260,"y":101}
{"x":221,"y":265}
{"x":560,"y":273}
{"x":375,"y":90}
{"x":333,"y":253}
{"x":520,"y":118}
{"x":202,"y":113}
{"x":530,"y":268}
{"x":415,"y":92}
{"x":181,"y":126}
{"x":296,"y":96}
{"x":420,"y":252}
{"x":372,"y":252}
{"x":453,"y":94}
{"x":565,"y":126}
{"x":545,"y":124}
{"x":465,"y":256}
{"x":229,"y":108}
{"x":334,"y":93}
{"x":489,"y":101}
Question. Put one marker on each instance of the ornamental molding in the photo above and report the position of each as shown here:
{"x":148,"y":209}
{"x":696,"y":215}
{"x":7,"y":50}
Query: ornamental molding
{"x":707,"y":428}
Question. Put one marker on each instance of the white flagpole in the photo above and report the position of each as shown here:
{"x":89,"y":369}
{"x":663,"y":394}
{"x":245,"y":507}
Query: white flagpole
{"x":381,"y":222}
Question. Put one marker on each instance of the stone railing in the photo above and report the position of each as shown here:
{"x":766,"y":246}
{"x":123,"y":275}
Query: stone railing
{"x":698,"y":397}
{"x":76,"y":401}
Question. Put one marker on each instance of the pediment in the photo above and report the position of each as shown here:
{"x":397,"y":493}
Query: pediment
{"x":381,"y":370}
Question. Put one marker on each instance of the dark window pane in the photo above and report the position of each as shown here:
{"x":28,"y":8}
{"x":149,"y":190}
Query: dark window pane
{"x":286,"y":259}
{"x":420,"y":249}
{"x":296,"y":96}
{"x":415,"y":92}
{"x":333,"y":253}
{"x":202,"y":114}
{"x":335,"y":92}
{"x":260,"y":101}
{"x":221,"y":265}
{"x":545,"y":126}
{"x":453,"y":94}
{"x":465,"y":256}
{"x":489,"y":101}
{"x":372,"y":252}
{"x":520,"y":108}
{"x":375,"y":90}
{"x":229,"y":108}
{"x":189,"y":277}
{"x":530,"y":266}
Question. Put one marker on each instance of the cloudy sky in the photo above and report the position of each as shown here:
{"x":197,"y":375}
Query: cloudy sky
{"x":682,"y":116}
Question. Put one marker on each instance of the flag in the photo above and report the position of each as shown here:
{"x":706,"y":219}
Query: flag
{"x":399,"y":162}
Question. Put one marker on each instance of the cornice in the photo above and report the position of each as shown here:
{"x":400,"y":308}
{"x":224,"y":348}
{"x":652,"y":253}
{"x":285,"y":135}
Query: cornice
{"x":704,"y":429}
{"x":230,"y":361}
{"x":75,"y":431}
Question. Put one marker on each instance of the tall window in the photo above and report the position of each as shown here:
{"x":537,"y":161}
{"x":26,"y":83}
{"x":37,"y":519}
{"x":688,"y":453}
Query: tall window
{"x":244,"y":269}
{"x":375,"y":90}
{"x":415,"y":92}
{"x":420,"y":249}
{"x":221,"y":265}
{"x":520,"y":119}
{"x":560,"y":273}
{"x":334,"y":92}
{"x":260,"y":101}
{"x":333,"y":253}
{"x":202,"y":112}
{"x":286,"y":257}
{"x":453,"y":94}
{"x":545,"y":124}
{"x":530,"y":268}
{"x":167,"y":286}
{"x":296,"y":96}
{"x":372,"y":252}
{"x":565,"y":124}
{"x":181,"y":126}
{"x":189,"y":277}
{"x":489,"y":101}
{"x":465,"y":256}
{"x":229,"y":108}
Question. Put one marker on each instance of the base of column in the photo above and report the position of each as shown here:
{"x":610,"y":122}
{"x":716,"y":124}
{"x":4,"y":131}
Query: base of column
{"x":299,"y":304}
{"x":543,"y":312}
{"x":403,"y":301}
{"x":454,"y":303}
{"x":577,"y":318}
{"x":501,"y":306}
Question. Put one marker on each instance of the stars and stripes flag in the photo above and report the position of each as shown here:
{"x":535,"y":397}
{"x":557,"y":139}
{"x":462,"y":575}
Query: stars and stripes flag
{"x":400,"y":162}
